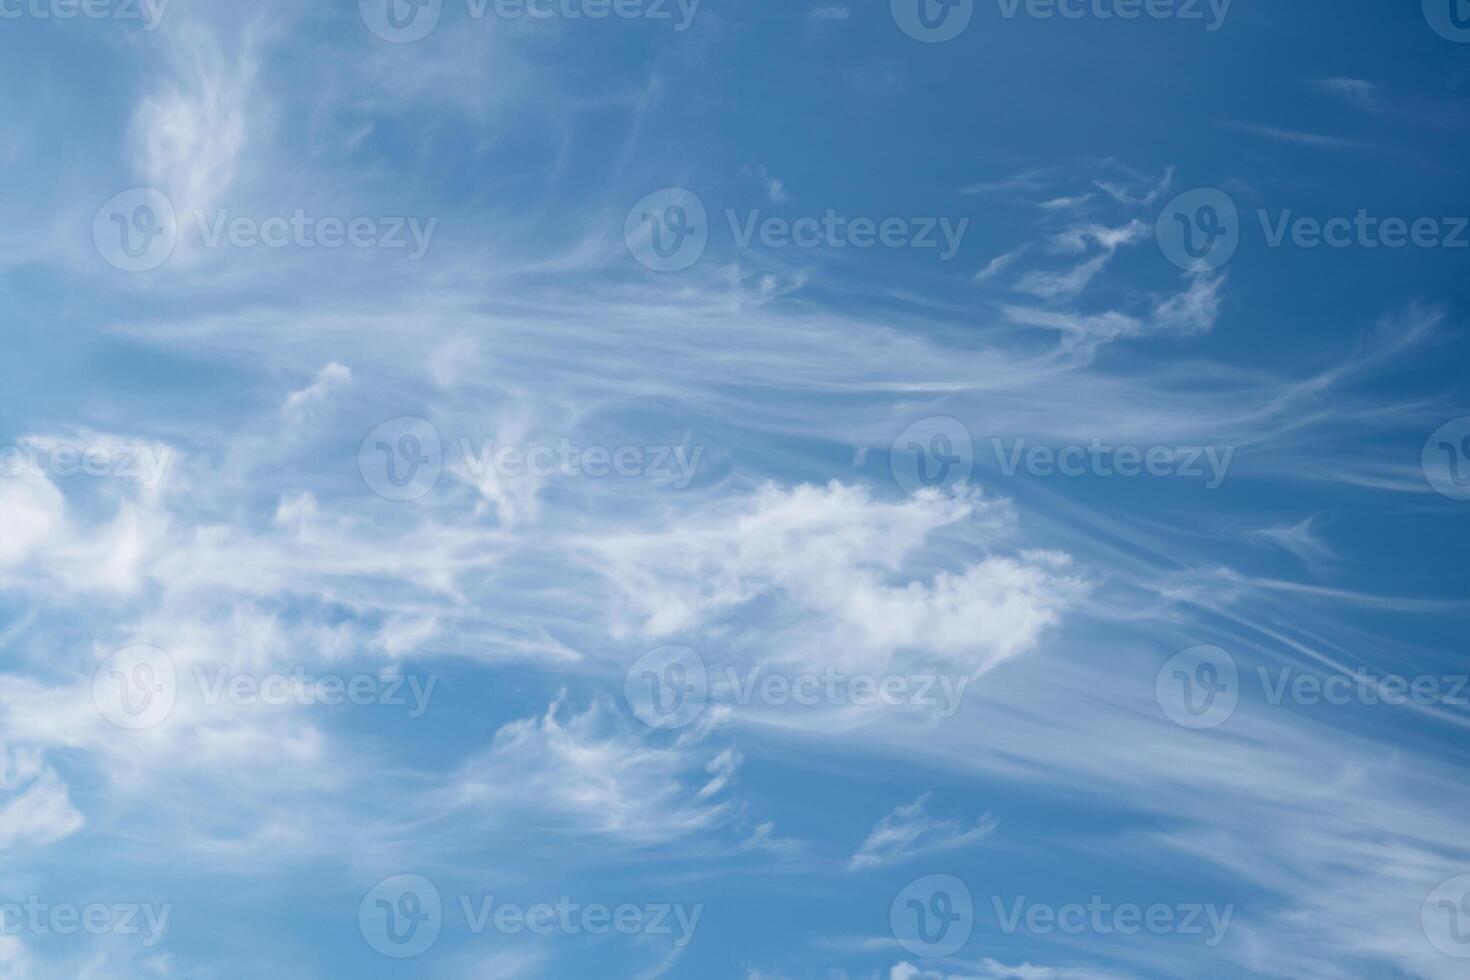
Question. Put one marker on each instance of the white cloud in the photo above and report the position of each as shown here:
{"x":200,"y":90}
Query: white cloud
{"x":834,"y":558}
{"x":329,"y":380}
{"x":194,"y":128}
{"x":31,"y":513}
{"x":35,"y":806}
{"x":775,"y":188}
{"x":1000,"y":263}
{"x":909,"y":831}
{"x":1301,"y":539}
{"x":1194,"y":310}
{"x":595,"y":773}
{"x":1066,"y":284}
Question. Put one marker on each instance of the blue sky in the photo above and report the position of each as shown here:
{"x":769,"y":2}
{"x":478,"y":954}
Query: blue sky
{"x":769,"y":491}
